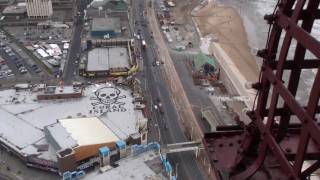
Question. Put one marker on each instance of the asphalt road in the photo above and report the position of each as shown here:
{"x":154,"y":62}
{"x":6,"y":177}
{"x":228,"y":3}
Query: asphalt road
{"x":75,"y":47}
{"x":168,"y":123}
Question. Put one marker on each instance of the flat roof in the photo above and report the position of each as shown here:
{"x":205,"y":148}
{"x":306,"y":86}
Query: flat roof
{"x":14,"y":9}
{"x":103,"y":59}
{"x":21,"y":112}
{"x":105,"y":24}
{"x":61,"y":90}
{"x":88,"y":131}
{"x":146,"y":165}
{"x":60,"y":136}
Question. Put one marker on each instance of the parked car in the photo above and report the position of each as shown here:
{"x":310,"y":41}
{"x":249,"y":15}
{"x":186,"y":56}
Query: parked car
{"x":38,"y":70}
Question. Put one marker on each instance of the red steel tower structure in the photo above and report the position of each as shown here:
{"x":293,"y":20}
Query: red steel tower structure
{"x":283,"y":139}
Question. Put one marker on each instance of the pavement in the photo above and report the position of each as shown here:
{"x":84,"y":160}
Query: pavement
{"x":12,"y":168}
{"x":166,"y":123}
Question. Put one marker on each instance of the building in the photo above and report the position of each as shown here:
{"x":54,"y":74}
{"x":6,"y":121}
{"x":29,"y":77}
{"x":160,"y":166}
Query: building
{"x":54,"y":92}
{"x":78,"y":139}
{"x":65,"y":133}
{"x":5,"y":2}
{"x":204,"y":63}
{"x":108,"y":57}
{"x":15,"y":10}
{"x":103,"y":61}
{"x":39,"y":8}
{"x":105,"y":27}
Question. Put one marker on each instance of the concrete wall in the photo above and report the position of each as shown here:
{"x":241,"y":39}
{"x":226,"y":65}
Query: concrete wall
{"x":231,"y":76}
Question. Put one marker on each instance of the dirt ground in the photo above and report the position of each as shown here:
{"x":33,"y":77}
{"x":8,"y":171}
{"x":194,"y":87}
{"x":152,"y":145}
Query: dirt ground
{"x":181,"y":14}
{"x":225,"y":24}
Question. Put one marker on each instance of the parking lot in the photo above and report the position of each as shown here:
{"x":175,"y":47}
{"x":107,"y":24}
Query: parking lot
{"x":40,"y":38}
{"x":14,"y":62}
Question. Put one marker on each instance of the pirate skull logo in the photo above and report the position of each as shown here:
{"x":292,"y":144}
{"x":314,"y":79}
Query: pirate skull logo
{"x":107,"y":96}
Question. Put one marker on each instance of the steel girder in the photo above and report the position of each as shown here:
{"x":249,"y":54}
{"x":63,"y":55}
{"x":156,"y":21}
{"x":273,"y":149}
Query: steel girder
{"x":272,"y":133}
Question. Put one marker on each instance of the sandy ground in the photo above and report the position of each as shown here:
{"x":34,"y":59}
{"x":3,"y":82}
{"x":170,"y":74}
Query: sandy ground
{"x":225,"y":24}
{"x":181,"y":14}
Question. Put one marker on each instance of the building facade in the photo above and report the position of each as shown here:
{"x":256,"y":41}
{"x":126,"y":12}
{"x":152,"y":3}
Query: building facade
{"x":39,"y":8}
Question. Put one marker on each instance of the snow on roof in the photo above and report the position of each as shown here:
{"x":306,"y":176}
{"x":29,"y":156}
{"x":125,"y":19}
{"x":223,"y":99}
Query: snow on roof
{"x":16,"y":131}
{"x":144,"y":166}
{"x":21,"y":112}
{"x":66,"y":46}
{"x":42,"y":53}
{"x":102,"y":59}
{"x":88,"y":131}
{"x":62,"y":139}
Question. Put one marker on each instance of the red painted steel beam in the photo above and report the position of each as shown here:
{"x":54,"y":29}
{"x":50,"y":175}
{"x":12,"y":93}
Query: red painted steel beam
{"x":297,"y":147}
{"x":290,"y":64}
{"x":298,"y":59}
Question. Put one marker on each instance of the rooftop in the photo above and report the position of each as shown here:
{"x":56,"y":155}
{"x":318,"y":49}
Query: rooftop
{"x":105,"y":24}
{"x":103,"y":59}
{"x":144,"y":166}
{"x":21,"y":112}
{"x":202,"y":59}
{"x":15,"y":9}
{"x":88,"y":131}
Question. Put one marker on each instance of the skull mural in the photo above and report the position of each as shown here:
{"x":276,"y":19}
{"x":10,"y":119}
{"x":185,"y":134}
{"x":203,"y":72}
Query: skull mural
{"x":107,"y":96}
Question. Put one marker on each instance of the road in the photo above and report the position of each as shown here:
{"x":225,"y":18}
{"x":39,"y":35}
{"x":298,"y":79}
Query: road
{"x":75,"y":47}
{"x":171,"y":130}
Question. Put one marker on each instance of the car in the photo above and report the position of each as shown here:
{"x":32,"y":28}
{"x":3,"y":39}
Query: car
{"x":38,"y":71}
{"x":23,"y":71}
{"x":19,"y":65}
{"x":157,"y":63}
{"x":11,"y":54}
{"x":34,"y":66}
{"x":8,"y":71}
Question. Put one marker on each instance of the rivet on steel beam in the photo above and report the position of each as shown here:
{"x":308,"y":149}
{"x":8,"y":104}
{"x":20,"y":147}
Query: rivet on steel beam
{"x":251,"y":114}
{"x":305,"y":121}
{"x":274,"y":82}
{"x":273,"y":56}
{"x":288,"y":150}
{"x":257,"y":86}
{"x":280,"y":4}
{"x":262,"y":53}
{"x":287,"y":26}
{"x":269,"y":18}
{"x":240,"y":151}
{"x":264,"y":134}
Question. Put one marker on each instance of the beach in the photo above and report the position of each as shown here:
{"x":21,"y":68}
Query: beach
{"x":225,"y":26}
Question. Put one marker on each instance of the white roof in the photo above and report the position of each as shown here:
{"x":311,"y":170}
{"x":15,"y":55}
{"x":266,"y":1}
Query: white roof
{"x":42,"y":53}
{"x":146,"y":165}
{"x":87,"y":131}
{"x":21,"y":112}
{"x":102,"y":59}
{"x":17,"y":132}
{"x":61,"y":136}
{"x":66,"y":46}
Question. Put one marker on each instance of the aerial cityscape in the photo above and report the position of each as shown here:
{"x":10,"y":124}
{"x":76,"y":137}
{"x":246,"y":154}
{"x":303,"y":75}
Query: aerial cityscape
{"x":159,"y":89}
